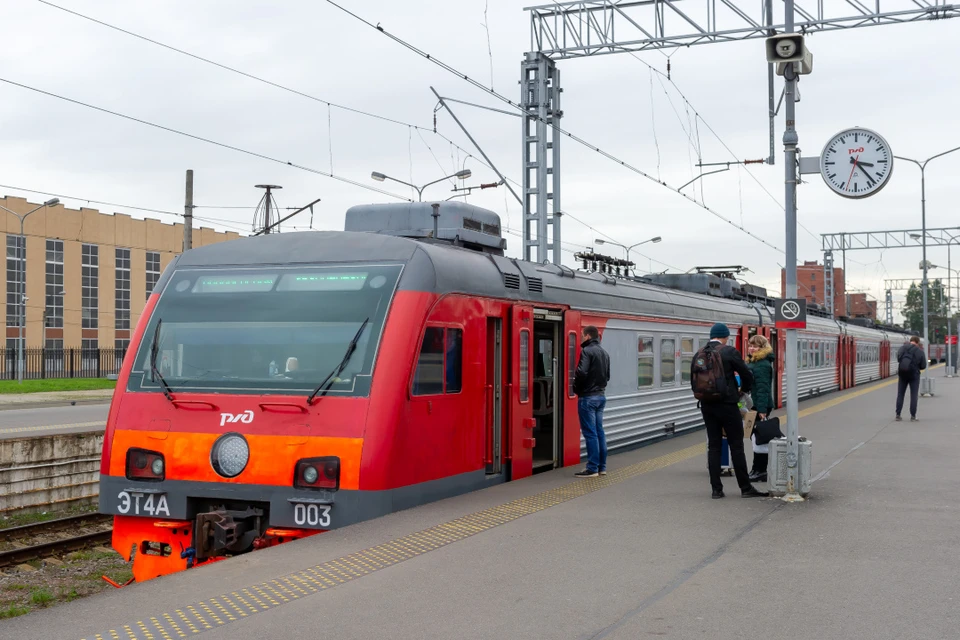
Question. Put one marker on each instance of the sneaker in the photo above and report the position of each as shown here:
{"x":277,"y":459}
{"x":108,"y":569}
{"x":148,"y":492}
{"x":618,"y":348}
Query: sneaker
{"x":753,"y":493}
{"x":585,"y":474}
{"x":603,"y":472}
{"x":717,"y":494}
{"x":898,"y":418}
{"x":914,"y":419}
{"x":758,"y":476}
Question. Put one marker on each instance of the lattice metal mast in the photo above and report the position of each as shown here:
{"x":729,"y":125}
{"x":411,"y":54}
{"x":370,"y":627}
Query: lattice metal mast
{"x":896,"y":239}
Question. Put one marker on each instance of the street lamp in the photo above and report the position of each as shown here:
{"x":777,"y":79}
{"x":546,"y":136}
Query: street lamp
{"x":21,"y":280}
{"x":925,"y":386}
{"x":917,"y":236}
{"x":380,"y":177}
{"x":625,"y":247}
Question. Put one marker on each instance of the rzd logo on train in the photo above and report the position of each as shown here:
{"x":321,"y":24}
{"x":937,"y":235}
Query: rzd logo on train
{"x":246,"y":417}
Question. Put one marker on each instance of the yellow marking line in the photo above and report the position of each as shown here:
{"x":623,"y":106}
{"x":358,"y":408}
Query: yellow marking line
{"x":366,"y":561}
{"x":52,"y":427}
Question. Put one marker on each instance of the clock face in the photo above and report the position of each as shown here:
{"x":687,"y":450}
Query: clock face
{"x":856,"y":163}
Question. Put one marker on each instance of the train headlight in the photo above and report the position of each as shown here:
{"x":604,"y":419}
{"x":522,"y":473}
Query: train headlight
{"x":143,"y":464}
{"x":229,"y":455}
{"x":318,"y":473}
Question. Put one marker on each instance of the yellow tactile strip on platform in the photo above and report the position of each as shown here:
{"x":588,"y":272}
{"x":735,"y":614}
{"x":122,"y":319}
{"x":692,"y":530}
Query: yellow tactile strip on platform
{"x":230,"y":607}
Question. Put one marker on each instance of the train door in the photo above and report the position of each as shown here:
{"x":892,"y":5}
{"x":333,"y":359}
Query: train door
{"x":547,"y":389}
{"x":493,"y":398}
{"x":521,"y":423}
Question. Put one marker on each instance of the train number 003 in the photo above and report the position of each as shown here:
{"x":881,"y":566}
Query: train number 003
{"x":311,"y":514}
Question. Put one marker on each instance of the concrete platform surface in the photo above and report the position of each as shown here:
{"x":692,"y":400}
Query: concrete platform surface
{"x":643,"y":552}
{"x":42,"y":399}
{"x":28,"y":423}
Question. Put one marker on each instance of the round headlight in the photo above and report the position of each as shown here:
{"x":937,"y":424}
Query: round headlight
{"x":229,"y":455}
{"x":157,"y":467}
{"x":310,"y":475}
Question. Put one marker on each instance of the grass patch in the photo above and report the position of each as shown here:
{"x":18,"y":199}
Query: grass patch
{"x":20,"y":519}
{"x":13,"y":611}
{"x":41,"y":597}
{"x":64,"y":384}
{"x":68,"y":596}
{"x":16,"y":587}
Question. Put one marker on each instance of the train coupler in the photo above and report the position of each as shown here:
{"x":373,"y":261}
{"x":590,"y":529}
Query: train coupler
{"x":222,"y":531}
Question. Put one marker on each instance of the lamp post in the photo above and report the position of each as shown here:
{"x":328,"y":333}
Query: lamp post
{"x":917,"y":236}
{"x":21,"y":280}
{"x":380,"y":177}
{"x":625,"y":247}
{"x":925,"y":386}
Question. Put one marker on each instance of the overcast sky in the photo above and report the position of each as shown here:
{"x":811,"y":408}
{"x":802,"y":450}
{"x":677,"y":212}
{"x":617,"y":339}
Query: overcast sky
{"x":898,"y":80}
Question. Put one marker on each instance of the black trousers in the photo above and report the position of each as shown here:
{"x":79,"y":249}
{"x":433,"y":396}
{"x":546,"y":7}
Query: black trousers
{"x":913,"y":380}
{"x":719,"y":418}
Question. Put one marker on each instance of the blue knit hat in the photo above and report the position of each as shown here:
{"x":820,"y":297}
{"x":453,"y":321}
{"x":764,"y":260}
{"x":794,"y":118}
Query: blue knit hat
{"x":719,"y":330}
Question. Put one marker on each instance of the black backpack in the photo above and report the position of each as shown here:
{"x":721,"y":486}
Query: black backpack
{"x":707,"y":377}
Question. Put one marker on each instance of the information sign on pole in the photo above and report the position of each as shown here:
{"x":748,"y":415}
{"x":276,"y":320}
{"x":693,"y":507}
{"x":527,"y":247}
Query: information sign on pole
{"x":791,"y":313}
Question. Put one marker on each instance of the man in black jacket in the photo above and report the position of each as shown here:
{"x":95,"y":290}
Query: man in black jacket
{"x":724,"y":415}
{"x":590,"y":383}
{"x":911,"y":360}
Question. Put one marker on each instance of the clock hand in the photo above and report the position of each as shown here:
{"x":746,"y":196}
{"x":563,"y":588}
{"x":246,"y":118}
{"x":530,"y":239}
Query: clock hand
{"x":865,"y":164}
{"x":852,"y":169}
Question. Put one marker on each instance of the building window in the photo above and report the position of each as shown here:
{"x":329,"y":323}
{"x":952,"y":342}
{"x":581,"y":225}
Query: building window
{"x":122,"y":289}
{"x":121,"y":345}
{"x":16,"y":260}
{"x":53,"y":309}
{"x":90,"y":272}
{"x":54,"y":344}
{"x":153,"y":271}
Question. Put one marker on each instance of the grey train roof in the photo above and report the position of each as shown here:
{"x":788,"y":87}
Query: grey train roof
{"x":442,"y":268}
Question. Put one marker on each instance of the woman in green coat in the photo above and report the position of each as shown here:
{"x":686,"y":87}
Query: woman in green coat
{"x":760,"y":360}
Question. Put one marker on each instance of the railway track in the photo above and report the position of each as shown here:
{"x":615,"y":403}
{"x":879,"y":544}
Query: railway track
{"x":53,"y":547}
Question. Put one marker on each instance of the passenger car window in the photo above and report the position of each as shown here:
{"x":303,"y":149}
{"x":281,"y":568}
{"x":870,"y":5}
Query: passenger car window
{"x":686,"y":358}
{"x":440,"y":365}
{"x":668,"y":362}
{"x":571,"y":362}
{"x":644,"y":362}
{"x":524,"y":365}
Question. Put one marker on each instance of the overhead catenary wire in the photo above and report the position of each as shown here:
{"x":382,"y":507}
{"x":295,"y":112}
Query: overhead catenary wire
{"x":330,"y":105}
{"x":207,"y":140}
{"x":562,"y":131}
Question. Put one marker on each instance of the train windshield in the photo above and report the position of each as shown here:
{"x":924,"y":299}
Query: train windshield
{"x":266,"y":330}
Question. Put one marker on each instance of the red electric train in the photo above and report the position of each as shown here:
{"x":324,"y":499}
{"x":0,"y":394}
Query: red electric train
{"x":283,"y":385}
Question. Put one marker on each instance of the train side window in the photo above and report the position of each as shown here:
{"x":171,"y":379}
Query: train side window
{"x":453,"y":364}
{"x":524,"y":365}
{"x":644,"y":362}
{"x":428,"y":379}
{"x":571,"y":362}
{"x":668,"y":362}
{"x":687,"y":349}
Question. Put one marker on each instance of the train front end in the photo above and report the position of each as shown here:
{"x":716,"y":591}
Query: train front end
{"x":238,"y":420}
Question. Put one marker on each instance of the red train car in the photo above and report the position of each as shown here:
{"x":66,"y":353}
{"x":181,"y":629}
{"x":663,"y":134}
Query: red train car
{"x":288,"y":384}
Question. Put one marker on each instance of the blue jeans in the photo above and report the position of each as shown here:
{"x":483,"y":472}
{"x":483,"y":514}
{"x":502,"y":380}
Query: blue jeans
{"x":590,"y":410}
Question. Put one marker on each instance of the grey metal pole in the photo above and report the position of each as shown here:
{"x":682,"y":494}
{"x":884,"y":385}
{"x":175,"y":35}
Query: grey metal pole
{"x":771,"y":106}
{"x":188,"y":214}
{"x":790,"y":140}
{"x":949,"y":331}
{"x":923,"y":283}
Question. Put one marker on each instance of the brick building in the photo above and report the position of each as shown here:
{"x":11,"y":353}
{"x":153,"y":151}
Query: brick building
{"x":88,"y":274}
{"x":810,"y":285}
{"x":860,"y":307}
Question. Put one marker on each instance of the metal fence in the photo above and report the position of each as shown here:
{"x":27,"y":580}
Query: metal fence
{"x":39,"y":364}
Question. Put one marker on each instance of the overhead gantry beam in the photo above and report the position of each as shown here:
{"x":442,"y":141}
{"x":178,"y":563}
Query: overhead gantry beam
{"x":599,"y":27}
{"x":897,"y":239}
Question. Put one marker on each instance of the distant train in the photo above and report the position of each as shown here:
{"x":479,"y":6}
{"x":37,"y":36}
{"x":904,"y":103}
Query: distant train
{"x":283,"y":385}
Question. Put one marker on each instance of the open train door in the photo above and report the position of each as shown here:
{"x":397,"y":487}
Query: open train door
{"x":521,"y":423}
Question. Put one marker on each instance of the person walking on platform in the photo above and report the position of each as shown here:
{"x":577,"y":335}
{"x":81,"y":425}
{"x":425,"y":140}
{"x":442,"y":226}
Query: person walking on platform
{"x":714,"y":385}
{"x":590,"y":384}
{"x":911,"y":360}
{"x":760,"y":361}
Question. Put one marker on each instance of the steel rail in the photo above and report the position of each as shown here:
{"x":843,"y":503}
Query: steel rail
{"x":47,"y":549}
{"x":50,"y":526}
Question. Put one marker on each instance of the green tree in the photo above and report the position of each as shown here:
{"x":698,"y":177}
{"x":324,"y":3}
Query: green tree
{"x":938,"y":303}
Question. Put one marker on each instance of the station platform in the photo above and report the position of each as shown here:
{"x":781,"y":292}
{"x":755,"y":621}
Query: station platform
{"x":642,"y":552}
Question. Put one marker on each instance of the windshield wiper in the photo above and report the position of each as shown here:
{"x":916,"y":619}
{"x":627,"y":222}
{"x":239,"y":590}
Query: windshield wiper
{"x":321,"y":388}
{"x":154,"y":349}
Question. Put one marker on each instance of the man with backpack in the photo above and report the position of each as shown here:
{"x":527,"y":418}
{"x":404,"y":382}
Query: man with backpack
{"x":911,"y":361}
{"x":712,"y":379}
